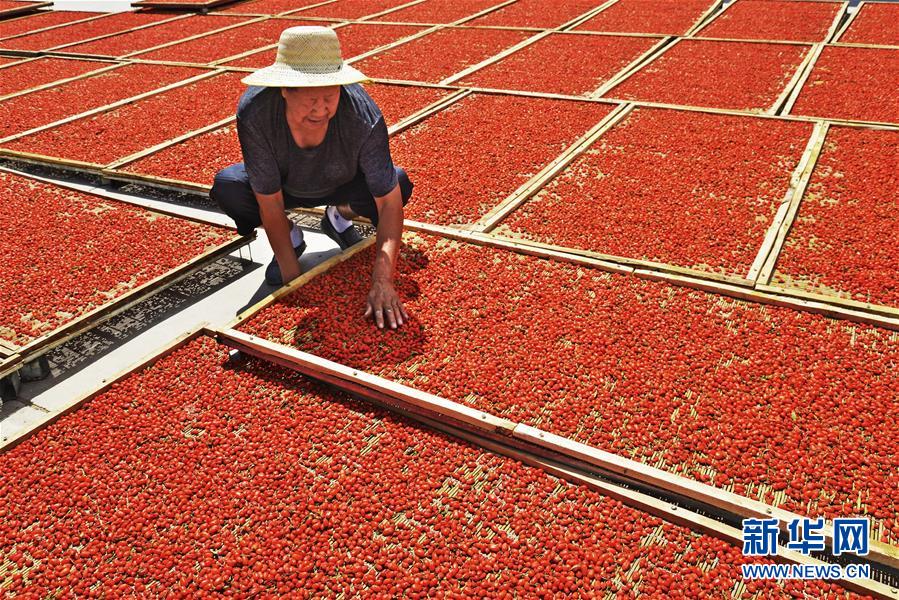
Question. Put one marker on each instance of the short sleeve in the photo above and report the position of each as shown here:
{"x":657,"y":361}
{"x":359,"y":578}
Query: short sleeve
{"x":259,"y":159}
{"x":375,"y":161}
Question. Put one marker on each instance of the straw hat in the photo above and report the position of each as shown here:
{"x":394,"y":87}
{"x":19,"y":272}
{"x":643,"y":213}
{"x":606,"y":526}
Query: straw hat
{"x":307,"y":57}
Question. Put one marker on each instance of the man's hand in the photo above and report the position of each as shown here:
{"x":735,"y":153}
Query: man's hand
{"x":383,"y":303}
{"x":384,"y":306}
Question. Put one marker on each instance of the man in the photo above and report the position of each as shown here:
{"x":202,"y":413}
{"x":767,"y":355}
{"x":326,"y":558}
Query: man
{"x":311,"y":136}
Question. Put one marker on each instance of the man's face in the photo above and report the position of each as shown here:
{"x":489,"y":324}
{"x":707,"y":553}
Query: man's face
{"x":312,"y":107}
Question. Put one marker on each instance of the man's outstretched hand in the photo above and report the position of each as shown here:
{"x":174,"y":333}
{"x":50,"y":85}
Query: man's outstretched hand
{"x":383,"y":304}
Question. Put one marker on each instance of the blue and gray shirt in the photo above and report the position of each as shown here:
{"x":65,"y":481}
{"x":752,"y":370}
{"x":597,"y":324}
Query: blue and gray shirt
{"x":356,"y":141}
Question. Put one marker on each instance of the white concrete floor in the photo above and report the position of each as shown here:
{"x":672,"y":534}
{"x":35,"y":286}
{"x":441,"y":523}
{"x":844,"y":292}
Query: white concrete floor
{"x":214,"y":294}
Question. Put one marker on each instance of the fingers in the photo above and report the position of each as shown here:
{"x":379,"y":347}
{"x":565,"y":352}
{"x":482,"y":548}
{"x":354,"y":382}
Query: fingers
{"x":398,"y":313}
{"x":368,"y":310}
{"x":379,"y":317}
{"x":391,"y":316}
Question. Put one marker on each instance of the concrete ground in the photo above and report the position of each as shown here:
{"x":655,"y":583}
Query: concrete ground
{"x":215,"y":294}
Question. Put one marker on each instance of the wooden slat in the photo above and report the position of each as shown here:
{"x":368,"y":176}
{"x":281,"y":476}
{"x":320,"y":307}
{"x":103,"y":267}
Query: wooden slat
{"x":301,"y":280}
{"x":798,"y":186}
{"x":757,"y":294}
{"x":706,"y":17}
{"x":490,"y":241}
{"x":883,"y":309}
{"x":403,"y":395}
{"x":630,"y":261}
{"x":153,"y":149}
{"x":696,"y":32}
{"x":9,"y":365}
{"x":242,"y":21}
{"x":839,"y":33}
{"x":26,"y":8}
{"x":800,"y":75}
{"x":587,"y":15}
{"x":42,"y":29}
{"x":799,"y":82}
{"x":798,"y":182}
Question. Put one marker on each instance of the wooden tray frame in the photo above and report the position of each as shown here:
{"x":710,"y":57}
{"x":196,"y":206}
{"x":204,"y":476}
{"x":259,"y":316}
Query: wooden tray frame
{"x":43,"y":344}
{"x":552,"y":463}
{"x":416,"y":401}
{"x":9,"y":364}
{"x":25,"y":9}
{"x":841,"y":12}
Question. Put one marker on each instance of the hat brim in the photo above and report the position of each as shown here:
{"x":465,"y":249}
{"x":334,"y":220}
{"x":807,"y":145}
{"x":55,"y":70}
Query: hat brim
{"x":283,"y":76}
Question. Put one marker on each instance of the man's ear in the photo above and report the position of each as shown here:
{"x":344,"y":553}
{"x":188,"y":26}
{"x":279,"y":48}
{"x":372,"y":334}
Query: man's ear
{"x":284,"y":93}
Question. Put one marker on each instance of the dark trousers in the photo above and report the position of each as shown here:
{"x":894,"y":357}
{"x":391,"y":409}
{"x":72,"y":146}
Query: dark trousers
{"x":231,"y":190}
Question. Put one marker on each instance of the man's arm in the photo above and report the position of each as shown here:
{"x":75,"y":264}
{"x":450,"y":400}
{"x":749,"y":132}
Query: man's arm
{"x":383,"y":302}
{"x":277,"y":228}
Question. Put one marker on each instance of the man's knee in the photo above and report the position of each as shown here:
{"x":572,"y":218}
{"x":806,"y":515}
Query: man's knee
{"x":406,"y":184}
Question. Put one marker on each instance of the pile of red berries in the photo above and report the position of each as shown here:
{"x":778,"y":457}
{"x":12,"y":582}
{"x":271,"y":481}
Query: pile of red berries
{"x":21,"y":113}
{"x":843,"y":240}
{"x":66,"y":253}
{"x":562,"y":64}
{"x":691,"y":189}
{"x":115,"y":134}
{"x":768,"y":402}
{"x":852,"y":83}
{"x":735,"y":75}
{"x":192,"y":478}
{"x":498,"y":142}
